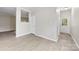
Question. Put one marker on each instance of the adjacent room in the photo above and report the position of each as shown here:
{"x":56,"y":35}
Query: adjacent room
{"x":7,"y":22}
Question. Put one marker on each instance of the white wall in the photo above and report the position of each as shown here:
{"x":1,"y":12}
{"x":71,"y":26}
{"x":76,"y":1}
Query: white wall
{"x":58,"y":15}
{"x":65,"y":14}
{"x":7,"y":23}
{"x":33,"y":24}
{"x":22,"y":28}
{"x":75,"y":25}
{"x":42,"y":23}
{"x":46,"y":23}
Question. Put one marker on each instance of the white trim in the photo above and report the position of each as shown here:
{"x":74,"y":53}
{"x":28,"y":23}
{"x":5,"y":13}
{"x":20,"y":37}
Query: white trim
{"x":7,"y":30}
{"x":46,"y":37}
{"x":75,"y":40}
{"x":22,"y":34}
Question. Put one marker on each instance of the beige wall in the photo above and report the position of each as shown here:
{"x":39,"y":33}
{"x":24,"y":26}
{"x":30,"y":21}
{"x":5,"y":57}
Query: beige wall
{"x":13,"y":22}
{"x":7,"y":23}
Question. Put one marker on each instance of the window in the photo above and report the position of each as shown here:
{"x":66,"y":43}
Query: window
{"x":24,"y":16}
{"x":64,"y":22}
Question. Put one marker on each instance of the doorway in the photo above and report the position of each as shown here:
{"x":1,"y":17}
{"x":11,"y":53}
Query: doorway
{"x":7,"y":22}
{"x":64,"y":21}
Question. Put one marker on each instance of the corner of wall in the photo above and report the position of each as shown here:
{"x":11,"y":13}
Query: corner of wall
{"x":22,"y":34}
{"x":55,"y":40}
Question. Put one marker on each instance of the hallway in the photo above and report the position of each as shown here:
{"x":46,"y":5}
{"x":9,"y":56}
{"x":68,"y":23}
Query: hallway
{"x":8,"y":42}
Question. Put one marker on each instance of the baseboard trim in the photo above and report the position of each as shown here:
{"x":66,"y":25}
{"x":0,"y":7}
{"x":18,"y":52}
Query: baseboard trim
{"x":39,"y":36}
{"x":22,"y":34}
{"x":8,"y":30}
{"x":75,"y":41}
{"x":46,"y":37}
